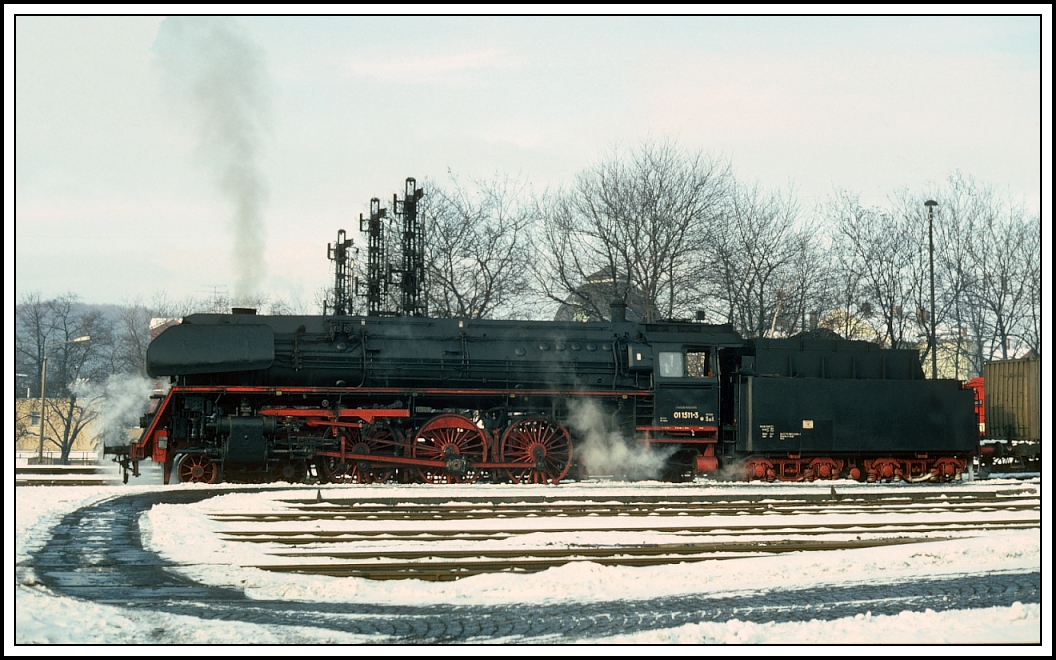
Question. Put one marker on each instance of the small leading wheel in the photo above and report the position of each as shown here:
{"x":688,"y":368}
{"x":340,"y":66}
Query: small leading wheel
{"x":455,"y":440}
{"x":544,"y":444}
{"x":198,"y":468}
{"x":294,"y":472}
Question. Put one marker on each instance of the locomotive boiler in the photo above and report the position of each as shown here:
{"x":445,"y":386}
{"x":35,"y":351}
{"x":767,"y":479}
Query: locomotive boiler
{"x":376,"y":398}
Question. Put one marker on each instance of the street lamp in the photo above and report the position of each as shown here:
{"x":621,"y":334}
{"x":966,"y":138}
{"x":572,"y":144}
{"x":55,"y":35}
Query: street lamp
{"x":43,"y":388}
{"x":931,"y":204}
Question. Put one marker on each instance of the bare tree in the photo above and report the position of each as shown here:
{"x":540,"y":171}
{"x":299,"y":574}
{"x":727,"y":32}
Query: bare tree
{"x":132,"y":337}
{"x":881,"y":251}
{"x":961,"y":321}
{"x":132,"y":328}
{"x":1004,"y":275}
{"x":579,"y":266}
{"x":852,"y":308}
{"x":32,"y":328}
{"x":477,"y":255}
{"x":48,"y":328}
{"x":987,"y":271}
{"x":629,"y":230}
{"x":956,"y":276}
{"x":1030,"y":333}
{"x":808,"y":285}
{"x":763,"y":267}
{"x":918,"y":252}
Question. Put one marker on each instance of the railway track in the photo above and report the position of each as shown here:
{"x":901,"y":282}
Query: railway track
{"x":454,"y":565}
{"x":444,"y":538}
{"x":403,"y":510}
{"x":66,"y":475}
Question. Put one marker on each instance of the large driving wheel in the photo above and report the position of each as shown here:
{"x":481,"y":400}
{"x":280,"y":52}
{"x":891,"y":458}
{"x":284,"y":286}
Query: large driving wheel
{"x":544,"y":444}
{"x":379,"y":440}
{"x":198,"y":468}
{"x":458,"y":442}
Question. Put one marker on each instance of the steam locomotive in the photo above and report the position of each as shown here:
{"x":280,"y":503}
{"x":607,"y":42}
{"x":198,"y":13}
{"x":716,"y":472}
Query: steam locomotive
{"x":369,"y":399}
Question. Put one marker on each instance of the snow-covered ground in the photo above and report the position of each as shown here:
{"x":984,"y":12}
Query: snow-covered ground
{"x":186,"y":534}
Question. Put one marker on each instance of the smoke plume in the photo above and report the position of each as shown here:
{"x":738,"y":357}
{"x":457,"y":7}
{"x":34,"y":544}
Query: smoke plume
{"x":606,"y":451}
{"x":215,"y":77}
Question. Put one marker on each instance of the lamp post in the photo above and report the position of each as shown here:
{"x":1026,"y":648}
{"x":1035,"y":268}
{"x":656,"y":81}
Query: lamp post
{"x":931,"y":204}
{"x":43,"y":388}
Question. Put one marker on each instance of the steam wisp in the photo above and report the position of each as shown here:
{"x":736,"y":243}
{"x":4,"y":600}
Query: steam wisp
{"x":118,"y":405}
{"x":606,"y":451}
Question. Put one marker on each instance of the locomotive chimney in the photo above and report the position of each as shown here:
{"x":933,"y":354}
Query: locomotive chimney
{"x":618,"y":309}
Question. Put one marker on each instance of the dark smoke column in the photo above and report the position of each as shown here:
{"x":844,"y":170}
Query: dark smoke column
{"x":216,"y":79}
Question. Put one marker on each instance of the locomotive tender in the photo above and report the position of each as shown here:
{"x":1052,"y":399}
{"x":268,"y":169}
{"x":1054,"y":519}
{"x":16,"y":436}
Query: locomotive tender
{"x":373,"y":398}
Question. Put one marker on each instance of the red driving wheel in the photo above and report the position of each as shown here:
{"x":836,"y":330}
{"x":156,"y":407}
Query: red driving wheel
{"x":543,"y":443}
{"x":454,"y":439}
{"x":376,"y":440}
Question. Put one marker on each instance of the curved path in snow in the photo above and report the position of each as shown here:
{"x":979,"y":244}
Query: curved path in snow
{"x":96,"y":554}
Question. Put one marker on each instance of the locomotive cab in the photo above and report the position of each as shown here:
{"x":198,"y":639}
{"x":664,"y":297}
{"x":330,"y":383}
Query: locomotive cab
{"x":685,"y":415}
{"x":687,"y":388}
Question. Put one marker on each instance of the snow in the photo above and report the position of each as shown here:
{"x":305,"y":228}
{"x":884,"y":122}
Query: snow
{"x":981,"y":626}
{"x":44,"y":618}
{"x":186,"y":534}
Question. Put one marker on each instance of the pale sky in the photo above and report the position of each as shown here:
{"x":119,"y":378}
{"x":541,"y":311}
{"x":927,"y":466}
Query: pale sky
{"x":114,"y":198}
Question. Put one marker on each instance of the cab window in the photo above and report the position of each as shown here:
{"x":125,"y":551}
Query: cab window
{"x":671,"y":365}
{"x":697,"y":364}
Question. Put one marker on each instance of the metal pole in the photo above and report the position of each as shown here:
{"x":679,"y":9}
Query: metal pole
{"x":931,"y":204}
{"x":43,"y":385}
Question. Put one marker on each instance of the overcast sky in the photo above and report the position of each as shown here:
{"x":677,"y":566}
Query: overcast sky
{"x":121,"y":187}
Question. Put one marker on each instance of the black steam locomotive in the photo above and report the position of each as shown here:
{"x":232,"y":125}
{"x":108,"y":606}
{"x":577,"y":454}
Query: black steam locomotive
{"x":376,"y":398}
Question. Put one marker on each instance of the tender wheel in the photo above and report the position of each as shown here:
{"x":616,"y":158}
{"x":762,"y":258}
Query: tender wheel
{"x":883,"y":469}
{"x":947,"y":469}
{"x":758,"y":469}
{"x":543,"y":443}
{"x":458,"y":442}
{"x":825,"y":468}
{"x":198,"y":468}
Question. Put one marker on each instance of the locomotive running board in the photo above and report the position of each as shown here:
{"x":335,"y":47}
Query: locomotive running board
{"x":698,"y":435}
